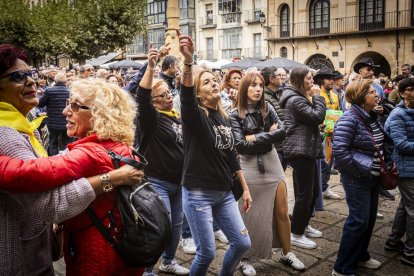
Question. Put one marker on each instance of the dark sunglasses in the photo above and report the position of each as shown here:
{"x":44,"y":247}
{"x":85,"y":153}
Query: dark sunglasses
{"x":75,"y":106}
{"x":164,"y":95}
{"x":19,"y":76}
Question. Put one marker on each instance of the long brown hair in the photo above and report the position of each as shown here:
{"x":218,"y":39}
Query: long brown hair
{"x":297,"y":78}
{"x":197,"y":84}
{"x":226,"y":81}
{"x":241,"y":100}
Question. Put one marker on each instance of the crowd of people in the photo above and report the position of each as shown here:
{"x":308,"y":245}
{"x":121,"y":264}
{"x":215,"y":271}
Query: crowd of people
{"x":202,"y":132}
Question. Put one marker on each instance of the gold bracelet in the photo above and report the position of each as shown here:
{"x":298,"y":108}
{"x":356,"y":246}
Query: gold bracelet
{"x":149,"y":68}
{"x":106,"y":182}
{"x":189,"y":64}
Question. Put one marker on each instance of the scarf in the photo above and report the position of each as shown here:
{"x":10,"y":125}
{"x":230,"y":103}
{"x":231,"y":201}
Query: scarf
{"x":11,"y":117}
{"x":173,"y":113}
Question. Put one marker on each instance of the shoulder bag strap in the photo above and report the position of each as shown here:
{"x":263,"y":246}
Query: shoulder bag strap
{"x":105,"y":233}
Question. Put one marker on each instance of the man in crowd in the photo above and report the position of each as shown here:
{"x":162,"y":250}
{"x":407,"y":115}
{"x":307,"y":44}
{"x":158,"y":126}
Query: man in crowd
{"x":86,"y":71}
{"x":338,"y":88}
{"x":406,"y":71}
{"x":325,"y":79}
{"x":54,"y":99}
{"x":102,"y":73}
{"x":51,"y":73}
{"x":169,"y":69}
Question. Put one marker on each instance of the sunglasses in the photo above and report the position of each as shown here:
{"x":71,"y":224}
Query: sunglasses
{"x":75,"y":106}
{"x":19,"y":76}
{"x":164,"y":95}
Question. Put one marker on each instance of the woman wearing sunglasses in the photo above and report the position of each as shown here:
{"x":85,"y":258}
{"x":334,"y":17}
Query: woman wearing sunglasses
{"x":162,"y":143}
{"x":101,"y":117}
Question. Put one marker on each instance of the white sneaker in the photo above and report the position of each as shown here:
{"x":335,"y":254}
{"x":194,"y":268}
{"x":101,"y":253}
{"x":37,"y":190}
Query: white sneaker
{"x":292,"y":260}
{"x":302,"y":242}
{"x":380,"y":216}
{"x":174,"y":268}
{"x":219,"y":235}
{"x":247,"y":269}
{"x":312,"y":232}
{"x":189,"y":246}
{"x":371,"y":263}
{"x":334,"y":273}
{"x":328,"y":194}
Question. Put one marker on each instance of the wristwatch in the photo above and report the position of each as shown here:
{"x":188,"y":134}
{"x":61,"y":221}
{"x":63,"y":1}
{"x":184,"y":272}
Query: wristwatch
{"x":106,"y":182}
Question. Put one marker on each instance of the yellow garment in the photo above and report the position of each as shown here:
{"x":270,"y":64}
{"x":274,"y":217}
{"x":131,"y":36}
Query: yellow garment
{"x":11,"y":117}
{"x":173,"y":113}
{"x":331,"y":99}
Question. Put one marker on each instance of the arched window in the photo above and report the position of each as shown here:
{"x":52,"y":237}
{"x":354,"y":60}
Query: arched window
{"x":371,"y":14}
{"x":319,"y":61}
{"x":284,"y":21}
{"x":319,"y":17}
{"x":283,"y":52}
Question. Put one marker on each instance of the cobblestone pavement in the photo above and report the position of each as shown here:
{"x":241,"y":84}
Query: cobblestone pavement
{"x":319,"y":261}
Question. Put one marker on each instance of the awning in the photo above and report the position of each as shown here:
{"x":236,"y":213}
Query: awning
{"x":95,"y":62}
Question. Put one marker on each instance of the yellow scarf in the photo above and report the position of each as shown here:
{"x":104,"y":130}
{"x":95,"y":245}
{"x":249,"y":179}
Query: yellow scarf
{"x":11,"y":117}
{"x":173,"y":113}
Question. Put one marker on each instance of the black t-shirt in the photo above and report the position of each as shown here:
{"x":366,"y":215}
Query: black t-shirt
{"x":210,"y":158}
{"x":160,"y":140}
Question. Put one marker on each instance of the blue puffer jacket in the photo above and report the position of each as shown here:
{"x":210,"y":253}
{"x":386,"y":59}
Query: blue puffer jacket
{"x":353,"y":148}
{"x":400,"y":126}
{"x":54,"y":99}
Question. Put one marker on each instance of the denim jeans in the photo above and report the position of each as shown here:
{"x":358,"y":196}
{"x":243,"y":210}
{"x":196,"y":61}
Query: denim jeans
{"x":201,"y":207}
{"x":186,"y":232}
{"x":362,"y":199}
{"x":404,"y":216}
{"x":171,"y":194}
{"x":326,"y":173}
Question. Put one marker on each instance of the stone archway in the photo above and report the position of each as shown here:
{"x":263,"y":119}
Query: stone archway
{"x":319,"y":61}
{"x":378,"y":59}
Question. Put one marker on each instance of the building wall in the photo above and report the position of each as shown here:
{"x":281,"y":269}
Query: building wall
{"x":355,"y":45}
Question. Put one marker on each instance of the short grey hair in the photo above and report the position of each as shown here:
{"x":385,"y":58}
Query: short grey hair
{"x":60,"y":78}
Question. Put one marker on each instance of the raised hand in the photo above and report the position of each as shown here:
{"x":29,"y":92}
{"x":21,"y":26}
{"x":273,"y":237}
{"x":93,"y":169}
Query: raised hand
{"x":186,"y":47}
{"x":164,"y":50}
{"x":152,"y":56}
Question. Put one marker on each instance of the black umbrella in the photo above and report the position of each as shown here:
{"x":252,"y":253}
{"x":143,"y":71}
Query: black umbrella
{"x":243,"y":64}
{"x":280,"y":62}
{"x":126,"y":64}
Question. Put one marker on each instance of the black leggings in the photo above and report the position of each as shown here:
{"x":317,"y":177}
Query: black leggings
{"x":306,"y":189}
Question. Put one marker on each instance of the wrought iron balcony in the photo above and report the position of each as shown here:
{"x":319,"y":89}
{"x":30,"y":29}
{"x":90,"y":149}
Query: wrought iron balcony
{"x":208,"y":22}
{"x":343,"y":25}
{"x":252,"y":16}
{"x":230,"y":18}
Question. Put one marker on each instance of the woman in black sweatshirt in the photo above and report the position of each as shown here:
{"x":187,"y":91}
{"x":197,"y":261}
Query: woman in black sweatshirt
{"x":210,"y":161}
{"x":161,"y":142}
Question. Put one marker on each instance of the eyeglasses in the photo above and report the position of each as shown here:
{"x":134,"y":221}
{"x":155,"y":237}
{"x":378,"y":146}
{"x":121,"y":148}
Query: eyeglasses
{"x":75,"y":106}
{"x":164,"y":95}
{"x":19,"y":76}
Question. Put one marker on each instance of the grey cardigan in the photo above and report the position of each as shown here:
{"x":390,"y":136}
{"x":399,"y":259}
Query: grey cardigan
{"x":25,"y":219}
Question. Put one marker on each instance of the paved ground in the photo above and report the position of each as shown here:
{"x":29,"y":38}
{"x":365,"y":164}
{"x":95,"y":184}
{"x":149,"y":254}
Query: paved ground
{"x":320,"y":261}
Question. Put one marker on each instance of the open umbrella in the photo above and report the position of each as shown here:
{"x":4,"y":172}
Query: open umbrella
{"x":280,"y":62}
{"x":243,"y":64}
{"x":126,"y":64}
{"x":219,"y":63}
{"x":209,"y":64}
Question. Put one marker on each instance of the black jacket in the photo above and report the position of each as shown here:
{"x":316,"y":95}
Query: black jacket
{"x":273,"y":98}
{"x":302,"y":120}
{"x":253,"y":123}
{"x":54,"y":99}
{"x":170,"y":82}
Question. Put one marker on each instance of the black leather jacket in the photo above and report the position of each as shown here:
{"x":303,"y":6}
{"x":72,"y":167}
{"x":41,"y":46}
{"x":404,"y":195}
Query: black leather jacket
{"x":253,"y":123}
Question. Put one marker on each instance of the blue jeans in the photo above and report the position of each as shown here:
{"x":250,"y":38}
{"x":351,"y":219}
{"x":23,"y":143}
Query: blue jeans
{"x":200,"y":207}
{"x":171,"y":194}
{"x":362,"y":199}
{"x":186,"y":232}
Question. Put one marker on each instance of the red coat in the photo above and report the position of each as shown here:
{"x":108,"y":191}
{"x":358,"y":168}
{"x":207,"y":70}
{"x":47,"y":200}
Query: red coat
{"x":92,"y":253}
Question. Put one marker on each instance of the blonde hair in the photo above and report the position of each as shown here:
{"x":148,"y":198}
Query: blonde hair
{"x":357,"y":90}
{"x":197,"y":84}
{"x":113,"y":109}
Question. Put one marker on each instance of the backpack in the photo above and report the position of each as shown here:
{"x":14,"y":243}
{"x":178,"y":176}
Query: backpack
{"x":146,"y":226}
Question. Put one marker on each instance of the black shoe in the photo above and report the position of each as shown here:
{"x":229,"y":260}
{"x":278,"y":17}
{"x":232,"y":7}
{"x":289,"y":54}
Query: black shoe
{"x":334,"y":171}
{"x":386,"y":195}
{"x":407,"y":260}
{"x":394,"y":247}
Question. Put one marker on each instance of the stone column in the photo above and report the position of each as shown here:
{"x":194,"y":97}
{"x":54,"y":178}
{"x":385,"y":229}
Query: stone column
{"x":173,"y":21}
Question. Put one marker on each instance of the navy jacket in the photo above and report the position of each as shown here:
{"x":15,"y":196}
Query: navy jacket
{"x":54,"y":99}
{"x":400,"y":126}
{"x":353,"y":148}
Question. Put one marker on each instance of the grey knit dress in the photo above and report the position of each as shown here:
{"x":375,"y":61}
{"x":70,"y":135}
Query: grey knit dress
{"x":259,"y":220}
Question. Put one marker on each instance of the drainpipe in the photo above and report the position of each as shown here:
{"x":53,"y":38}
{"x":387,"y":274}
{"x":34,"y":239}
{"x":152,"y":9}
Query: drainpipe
{"x":397,"y":42}
{"x":293,"y":29}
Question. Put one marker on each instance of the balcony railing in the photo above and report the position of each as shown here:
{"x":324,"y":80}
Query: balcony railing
{"x":231,"y":18}
{"x":252,"y":16}
{"x":208,"y":22}
{"x":260,"y":52}
{"x":343,"y":25}
{"x":209,"y":55}
{"x":229,"y":42}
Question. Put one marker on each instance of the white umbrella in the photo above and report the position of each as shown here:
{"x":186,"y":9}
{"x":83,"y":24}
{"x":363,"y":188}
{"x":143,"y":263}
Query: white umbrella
{"x":206,"y":62}
{"x":220,"y":62}
{"x":106,"y":65}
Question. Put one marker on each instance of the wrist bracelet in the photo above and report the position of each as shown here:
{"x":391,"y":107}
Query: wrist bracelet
{"x":106,"y":182}
{"x":189,"y":64}
{"x":150,"y":68}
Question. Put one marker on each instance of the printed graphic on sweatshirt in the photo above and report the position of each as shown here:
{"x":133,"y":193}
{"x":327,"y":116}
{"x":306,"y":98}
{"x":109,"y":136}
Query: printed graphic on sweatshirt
{"x":224,"y":137}
{"x":178,"y":132}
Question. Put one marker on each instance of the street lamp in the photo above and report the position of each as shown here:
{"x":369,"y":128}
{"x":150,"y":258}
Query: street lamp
{"x":262,"y":19}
